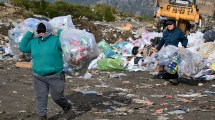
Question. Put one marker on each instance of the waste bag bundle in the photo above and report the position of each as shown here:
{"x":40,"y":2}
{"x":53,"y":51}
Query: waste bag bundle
{"x":61,"y":22}
{"x":165,"y":55}
{"x":79,"y":48}
{"x":17,"y":33}
{"x":190,"y":64}
{"x":172,"y":66}
{"x":209,"y":36}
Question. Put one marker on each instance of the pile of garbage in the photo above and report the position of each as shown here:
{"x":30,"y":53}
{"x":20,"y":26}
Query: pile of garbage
{"x":81,"y":52}
{"x":79,"y":46}
{"x":195,"y":62}
{"x":5,"y":51}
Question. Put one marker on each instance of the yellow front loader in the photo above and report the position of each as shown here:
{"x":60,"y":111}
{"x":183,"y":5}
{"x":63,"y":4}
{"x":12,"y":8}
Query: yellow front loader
{"x":185,"y":12}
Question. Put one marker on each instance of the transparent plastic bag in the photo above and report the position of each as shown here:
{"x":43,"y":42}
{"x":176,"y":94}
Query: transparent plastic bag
{"x":195,"y":39}
{"x":151,"y":62}
{"x":62,"y":22}
{"x":79,"y":48}
{"x":190,"y":63}
{"x":17,"y":33}
{"x":165,"y":54}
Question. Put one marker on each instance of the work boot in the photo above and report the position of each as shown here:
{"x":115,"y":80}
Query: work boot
{"x":68,"y":112}
{"x":174,"y":81}
{"x":43,"y":117}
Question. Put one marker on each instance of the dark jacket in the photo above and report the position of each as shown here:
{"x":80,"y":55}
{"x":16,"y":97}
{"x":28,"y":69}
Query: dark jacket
{"x":172,"y":37}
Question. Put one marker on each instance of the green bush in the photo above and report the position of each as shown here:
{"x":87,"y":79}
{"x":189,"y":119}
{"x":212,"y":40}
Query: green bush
{"x":60,"y":8}
{"x":2,"y":4}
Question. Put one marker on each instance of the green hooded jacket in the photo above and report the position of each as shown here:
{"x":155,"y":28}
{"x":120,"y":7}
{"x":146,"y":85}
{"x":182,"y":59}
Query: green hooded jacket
{"x":46,"y":52}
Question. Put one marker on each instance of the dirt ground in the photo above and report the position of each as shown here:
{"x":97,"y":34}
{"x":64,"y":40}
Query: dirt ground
{"x":131,"y":96}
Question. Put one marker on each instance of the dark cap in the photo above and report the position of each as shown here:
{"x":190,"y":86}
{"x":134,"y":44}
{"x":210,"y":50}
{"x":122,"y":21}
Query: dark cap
{"x":41,"y":28}
{"x":170,"y":22}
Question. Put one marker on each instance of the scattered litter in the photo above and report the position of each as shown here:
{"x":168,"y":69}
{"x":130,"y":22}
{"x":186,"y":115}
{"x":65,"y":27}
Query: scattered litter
{"x":200,"y":84}
{"x":101,"y":119}
{"x":162,"y":118}
{"x":108,"y":110}
{"x":159,"y":111}
{"x":101,"y":86}
{"x":191,"y":95}
{"x":117,"y":75}
{"x":89,"y":92}
{"x":209,"y":92}
{"x":118,"y":103}
{"x":15,"y":92}
{"x":126,"y":82}
{"x":177,"y":112}
{"x":183,"y":100}
{"x":179,"y":117}
{"x":132,"y":96}
{"x":121,"y":89}
{"x":145,"y":102}
{"x":144,"y":86}
{"x":122,"y":109}
{"x":158,"y":96}
{"x":22,"y":111}
{"x":213,"y":85}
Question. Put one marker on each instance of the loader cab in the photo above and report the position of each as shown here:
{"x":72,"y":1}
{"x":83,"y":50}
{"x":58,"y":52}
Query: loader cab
{"x":183,"y":2}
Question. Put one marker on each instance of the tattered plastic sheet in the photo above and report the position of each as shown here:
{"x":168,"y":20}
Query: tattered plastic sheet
{"x":110,"y":64}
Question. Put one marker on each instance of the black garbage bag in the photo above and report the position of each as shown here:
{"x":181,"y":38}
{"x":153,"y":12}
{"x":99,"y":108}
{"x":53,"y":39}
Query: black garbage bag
{"x":209,"y":36}
{"x":165,"y":75}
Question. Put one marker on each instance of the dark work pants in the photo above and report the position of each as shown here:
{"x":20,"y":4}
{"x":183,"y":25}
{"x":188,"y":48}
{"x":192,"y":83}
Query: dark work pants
{"x":42,"y":85}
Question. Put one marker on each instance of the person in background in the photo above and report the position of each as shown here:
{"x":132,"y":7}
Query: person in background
{"x":172,"y":36}
{"x":47,"y":68}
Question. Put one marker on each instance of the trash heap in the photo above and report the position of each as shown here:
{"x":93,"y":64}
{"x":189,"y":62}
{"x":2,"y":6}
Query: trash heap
{"x":79,"y":46}
{"x":79,"y":49}
{"x":195,"y":62}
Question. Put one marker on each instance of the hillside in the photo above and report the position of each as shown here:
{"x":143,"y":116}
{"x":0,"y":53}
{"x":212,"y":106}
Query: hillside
{"x":135,"y":7}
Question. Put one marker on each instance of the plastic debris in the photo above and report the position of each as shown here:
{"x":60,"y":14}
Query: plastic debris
{"x":209,"y":92}
{"x":162,"y":118}
{"x":89,"y":92}
{"x":177,"y":112}
{"x":191,"y":95}
{"x":110,"y":64}
{"x":117,"y":75}
{"x":159,"y":111}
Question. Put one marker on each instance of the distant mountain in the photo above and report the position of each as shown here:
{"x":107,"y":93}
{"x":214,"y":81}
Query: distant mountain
{"x":135,"y":7}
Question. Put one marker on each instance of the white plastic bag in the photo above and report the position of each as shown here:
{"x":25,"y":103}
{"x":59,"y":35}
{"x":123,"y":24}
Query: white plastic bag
{"x":62,"y":22}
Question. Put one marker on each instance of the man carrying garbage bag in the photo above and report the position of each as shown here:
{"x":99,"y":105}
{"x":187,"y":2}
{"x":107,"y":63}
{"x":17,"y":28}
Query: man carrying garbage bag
{"x":172,"y":36}
{"x":47,"y":68}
